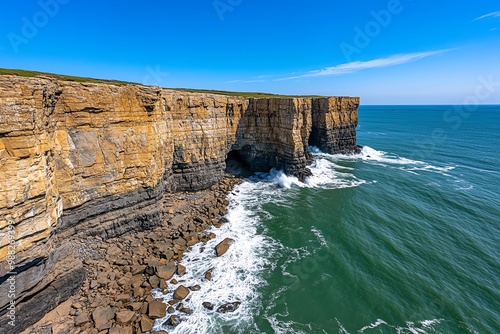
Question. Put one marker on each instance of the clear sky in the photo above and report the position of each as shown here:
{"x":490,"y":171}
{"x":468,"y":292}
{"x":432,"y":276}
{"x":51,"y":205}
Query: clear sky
{"x":385,"y":51}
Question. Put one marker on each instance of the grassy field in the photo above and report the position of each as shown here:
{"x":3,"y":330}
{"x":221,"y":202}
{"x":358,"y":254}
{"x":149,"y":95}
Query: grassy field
{"x":24,"y":73}
{"x":244,"y":94}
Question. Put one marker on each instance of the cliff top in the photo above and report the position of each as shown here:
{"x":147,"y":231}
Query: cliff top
{"x":26,"y":73}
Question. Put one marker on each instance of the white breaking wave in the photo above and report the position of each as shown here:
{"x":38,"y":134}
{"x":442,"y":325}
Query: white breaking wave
{"x":373,"y":325}
{"x":368,"y":153}
{"x":239,"y":274}
{"x":280,"y":178}
{"x":419,"y":327}
{"x":326,"y":175}
{"x":320,"y":236}
{"x":376,"y":157}
{"x":236,"y":275}
{"x":407,"y":165}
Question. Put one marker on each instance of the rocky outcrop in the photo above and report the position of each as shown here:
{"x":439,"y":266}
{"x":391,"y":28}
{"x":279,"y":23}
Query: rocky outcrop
{"x":334,"y":124}
{"x":223,"y":246}
{"x":80,"y":159}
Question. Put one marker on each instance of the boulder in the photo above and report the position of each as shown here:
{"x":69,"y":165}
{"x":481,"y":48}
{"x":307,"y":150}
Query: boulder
{"x":102,"y":278}
{"x":156,"y":309}
{"x":154,"y":281}
{"x":114,"y":251}
{"x":82,"y":319}
{"x":124,"y":297}
{"x":120,"y":330}
{"x":163,"y":284}
{"x":200,"y":220}
{"x":152,"y":236}
{"x":181,"y":242}
{"x":185,"y":310}
{"x":208,"y":275}
{"x":123,"y":281}
{"x":102,"y":316}
{"x":192,"y":241}
{"x":124,"y":316}
{"x":167,"y":271}
{"x":181,"y":270}
{"x":136,"y":281}
{"x":213,"y":212}
{"x":173,"y":321}
{"x":121,"y":262}
{"x":229,"y":307}
{"x":169,"y":254}
{"x":177,"y":221}
{"x":208,"y":306}
{"x":138,"y":269}
{"x":223,"y":246}
{"x":135,"y":306}
{"x":146,"y":323}
{"x":138,"y":292}
{"x":181,"y":292}
{"x":223,"y":220}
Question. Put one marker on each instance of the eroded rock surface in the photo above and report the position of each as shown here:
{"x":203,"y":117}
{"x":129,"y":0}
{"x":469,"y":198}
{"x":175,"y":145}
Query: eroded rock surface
{"x":85,"y":159}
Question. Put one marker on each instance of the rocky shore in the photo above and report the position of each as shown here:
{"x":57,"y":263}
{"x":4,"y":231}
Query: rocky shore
{"x":83,"y":159}
{"x":121,"y":272}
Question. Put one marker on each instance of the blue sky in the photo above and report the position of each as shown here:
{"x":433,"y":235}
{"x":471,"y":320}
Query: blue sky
{"x":385,"y":51}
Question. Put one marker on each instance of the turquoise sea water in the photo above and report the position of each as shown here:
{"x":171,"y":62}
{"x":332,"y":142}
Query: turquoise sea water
{"x":402,"y":238}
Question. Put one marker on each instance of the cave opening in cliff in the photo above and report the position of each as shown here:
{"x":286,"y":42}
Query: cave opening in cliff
{"x":237,"y":165}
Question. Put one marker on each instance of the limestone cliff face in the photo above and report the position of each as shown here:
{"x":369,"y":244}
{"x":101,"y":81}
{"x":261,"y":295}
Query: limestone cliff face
{"x":335,"y":120}
{"x":81,"y":159}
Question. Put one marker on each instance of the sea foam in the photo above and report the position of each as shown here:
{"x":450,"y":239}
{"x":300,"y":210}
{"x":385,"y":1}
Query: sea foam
{"x":238,"y":275}
{"x":235,"y":276}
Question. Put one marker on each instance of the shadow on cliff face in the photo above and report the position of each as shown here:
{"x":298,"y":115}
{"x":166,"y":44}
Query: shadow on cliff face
{"x":271,"y":133}
{"x":236,"y":165}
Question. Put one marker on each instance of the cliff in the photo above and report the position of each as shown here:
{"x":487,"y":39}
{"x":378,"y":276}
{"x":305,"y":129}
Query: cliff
{"x":79,"y":159}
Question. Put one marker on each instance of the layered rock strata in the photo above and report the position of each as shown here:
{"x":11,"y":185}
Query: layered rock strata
{"x":80,"y":159}
{"x":121,"y":272}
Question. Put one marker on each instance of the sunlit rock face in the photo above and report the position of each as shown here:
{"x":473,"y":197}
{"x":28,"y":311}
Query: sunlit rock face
{"x":79,"y":159}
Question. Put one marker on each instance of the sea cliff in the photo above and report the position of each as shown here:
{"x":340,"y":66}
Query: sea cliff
{"x":94,"y":159}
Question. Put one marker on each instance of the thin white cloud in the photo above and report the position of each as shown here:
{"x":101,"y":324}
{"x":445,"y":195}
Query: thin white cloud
{"x":364,"y":65}
{"x":267,"y":76}
{"x":493,"y":14}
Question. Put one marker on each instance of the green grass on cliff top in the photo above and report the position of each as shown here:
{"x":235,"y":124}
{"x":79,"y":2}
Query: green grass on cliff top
{"x":32,"y":74}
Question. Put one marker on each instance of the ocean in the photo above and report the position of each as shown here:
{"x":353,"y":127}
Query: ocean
{"x":401,"y":238}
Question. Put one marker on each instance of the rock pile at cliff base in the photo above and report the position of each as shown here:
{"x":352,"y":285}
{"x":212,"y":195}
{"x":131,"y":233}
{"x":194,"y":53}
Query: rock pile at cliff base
{"x":121,"y":272}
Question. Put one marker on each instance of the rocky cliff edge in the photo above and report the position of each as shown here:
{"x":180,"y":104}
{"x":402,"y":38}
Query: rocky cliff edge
{"x":79,"y":159}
